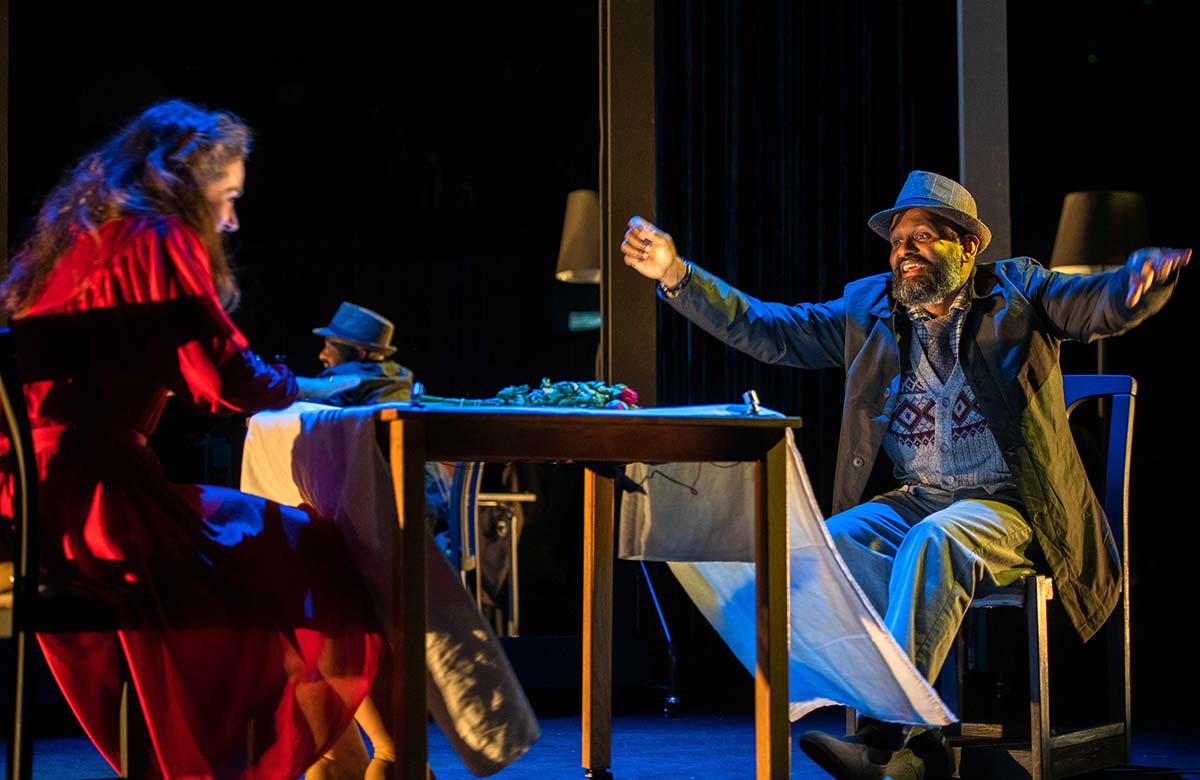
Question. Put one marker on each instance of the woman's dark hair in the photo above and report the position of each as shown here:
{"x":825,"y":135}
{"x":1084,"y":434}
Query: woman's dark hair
{"x":159,"y":163}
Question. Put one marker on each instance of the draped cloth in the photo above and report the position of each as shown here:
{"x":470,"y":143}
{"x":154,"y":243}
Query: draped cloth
{"x":329,"y":459}
{"x":699,"y":517}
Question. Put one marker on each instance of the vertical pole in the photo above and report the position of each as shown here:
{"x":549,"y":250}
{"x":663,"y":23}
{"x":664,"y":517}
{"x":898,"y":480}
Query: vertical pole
{"x":628,"y":305}
{"x":983,"y":145}
{"x":4,"y":89}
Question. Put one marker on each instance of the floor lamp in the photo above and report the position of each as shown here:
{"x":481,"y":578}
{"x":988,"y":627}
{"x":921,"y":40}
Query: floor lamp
{"x":1096,"y":232}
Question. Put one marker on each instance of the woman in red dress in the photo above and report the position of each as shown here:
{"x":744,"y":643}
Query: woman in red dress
{"x":249,"y":618}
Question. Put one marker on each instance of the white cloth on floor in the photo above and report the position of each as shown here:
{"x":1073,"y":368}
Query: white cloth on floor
{"x":329,"y":459}
{"x":699,"y":517}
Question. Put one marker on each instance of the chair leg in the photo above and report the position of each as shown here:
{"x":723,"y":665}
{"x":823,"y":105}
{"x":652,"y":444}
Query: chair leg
{"x":134,"y":736}
{"x":20,"y":739}
{"x":514,"y":602}
{"x":1037,"y":596}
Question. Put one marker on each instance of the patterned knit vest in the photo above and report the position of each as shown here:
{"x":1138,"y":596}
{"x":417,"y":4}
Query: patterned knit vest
{"x":937,"y":434}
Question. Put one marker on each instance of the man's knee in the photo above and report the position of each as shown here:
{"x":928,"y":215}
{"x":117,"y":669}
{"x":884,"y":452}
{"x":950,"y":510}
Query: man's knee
{"x":973,"y":524}
{"x":873,"y":526}
{"x":935,"y":530}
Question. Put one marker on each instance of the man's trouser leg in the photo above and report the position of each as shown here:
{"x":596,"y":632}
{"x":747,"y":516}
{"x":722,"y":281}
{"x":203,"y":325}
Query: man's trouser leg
{"x":921,"y":557}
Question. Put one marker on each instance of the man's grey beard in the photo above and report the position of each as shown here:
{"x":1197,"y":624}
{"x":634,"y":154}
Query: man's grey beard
{"x":925,"y":289}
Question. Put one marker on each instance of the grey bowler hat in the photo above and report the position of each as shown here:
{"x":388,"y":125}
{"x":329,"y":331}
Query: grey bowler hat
{"x":942,"y":196}
{"x":362,"y":327}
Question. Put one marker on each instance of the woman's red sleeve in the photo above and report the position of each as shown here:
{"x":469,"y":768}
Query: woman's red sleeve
{"x":217,"y":371}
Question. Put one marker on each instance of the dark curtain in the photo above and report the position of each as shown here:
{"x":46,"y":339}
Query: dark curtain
{"x":781,"y":128}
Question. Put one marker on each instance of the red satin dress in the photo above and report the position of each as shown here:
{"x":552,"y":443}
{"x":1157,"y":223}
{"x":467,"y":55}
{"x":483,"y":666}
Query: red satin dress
{"x":252,"y":641}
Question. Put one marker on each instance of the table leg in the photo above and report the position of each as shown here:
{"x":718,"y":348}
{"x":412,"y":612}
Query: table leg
{"x":598,"y":498}
{"x":771,"y":726}
{"x":406,"y":455}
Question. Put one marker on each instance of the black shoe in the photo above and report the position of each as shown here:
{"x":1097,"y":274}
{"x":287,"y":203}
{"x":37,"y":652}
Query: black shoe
{"x":881,"y":734}
{"x":848,"y":758}
{"x":933,"y":749}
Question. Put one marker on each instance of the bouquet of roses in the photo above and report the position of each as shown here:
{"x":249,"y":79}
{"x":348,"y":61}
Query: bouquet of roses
{"x":589,"y":395}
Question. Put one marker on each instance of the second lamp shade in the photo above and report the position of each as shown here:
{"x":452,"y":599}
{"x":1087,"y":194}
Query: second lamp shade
{"x":1098,"y":229}
{"x":579,"y":252}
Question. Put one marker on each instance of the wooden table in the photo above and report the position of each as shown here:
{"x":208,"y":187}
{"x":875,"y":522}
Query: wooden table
{"x":413,"y":435}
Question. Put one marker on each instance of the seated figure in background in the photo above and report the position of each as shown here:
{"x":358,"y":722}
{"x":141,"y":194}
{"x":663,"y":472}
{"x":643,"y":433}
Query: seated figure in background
{"x":357,"y":371}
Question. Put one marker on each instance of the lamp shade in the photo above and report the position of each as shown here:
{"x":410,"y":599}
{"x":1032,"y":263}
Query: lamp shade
{"x":1098,"y":229}
{"x":579,"y":252}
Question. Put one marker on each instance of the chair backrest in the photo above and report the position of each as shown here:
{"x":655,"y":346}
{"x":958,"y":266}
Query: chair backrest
{"x":463,"y":516}
{"x":1120,"y":393}
{"x":19,"y":467}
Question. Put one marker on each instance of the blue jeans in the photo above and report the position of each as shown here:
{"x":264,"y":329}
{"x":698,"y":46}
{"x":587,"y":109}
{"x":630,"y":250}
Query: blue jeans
{"x":921,"y":554}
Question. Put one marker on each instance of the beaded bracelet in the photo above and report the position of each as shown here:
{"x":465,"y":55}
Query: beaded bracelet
{"x":674,"y":290}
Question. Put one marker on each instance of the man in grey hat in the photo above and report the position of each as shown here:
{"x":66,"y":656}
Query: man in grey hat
{"x":952,"y":370}
{"x":358,"y":342}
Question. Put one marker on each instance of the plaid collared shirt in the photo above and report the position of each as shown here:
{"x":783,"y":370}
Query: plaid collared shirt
{"x":958,"y":307}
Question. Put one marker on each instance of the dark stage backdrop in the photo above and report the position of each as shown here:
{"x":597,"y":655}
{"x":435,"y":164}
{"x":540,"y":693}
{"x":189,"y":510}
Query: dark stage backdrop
{"x":1095,"y":90}
{"x":418,"y":163}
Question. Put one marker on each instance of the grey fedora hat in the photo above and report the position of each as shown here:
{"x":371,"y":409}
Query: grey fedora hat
{"x":942,"y":196}
{"x":362,"y":327}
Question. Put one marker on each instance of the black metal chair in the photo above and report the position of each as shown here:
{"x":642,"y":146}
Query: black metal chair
{"x":37,"y":606}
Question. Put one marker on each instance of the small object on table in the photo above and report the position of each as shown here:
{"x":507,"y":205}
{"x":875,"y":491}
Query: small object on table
{"x":751,"y":399}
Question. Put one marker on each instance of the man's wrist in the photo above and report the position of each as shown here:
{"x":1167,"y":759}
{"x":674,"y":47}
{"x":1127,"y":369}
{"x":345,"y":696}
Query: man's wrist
{"x":674,"y":273}
{"x":671,"y":290}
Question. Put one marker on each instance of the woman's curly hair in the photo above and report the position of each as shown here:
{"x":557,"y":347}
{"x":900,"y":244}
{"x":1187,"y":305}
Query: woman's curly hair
{"x":159,"y":163}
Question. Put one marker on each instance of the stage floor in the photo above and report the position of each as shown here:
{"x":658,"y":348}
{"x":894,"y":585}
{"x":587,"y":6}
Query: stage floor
{"x":647,"y":747}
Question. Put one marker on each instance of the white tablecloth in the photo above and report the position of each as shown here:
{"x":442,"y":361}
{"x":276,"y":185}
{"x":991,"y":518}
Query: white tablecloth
{"x":329,"y":459}
{"x":700,"y":518}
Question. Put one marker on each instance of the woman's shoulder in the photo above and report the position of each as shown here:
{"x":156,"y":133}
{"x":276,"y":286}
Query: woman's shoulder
{"x":155,"y":256}
{"x":154,"y":241}
{"x":133,"y":259}
{"x":136,"y":229}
